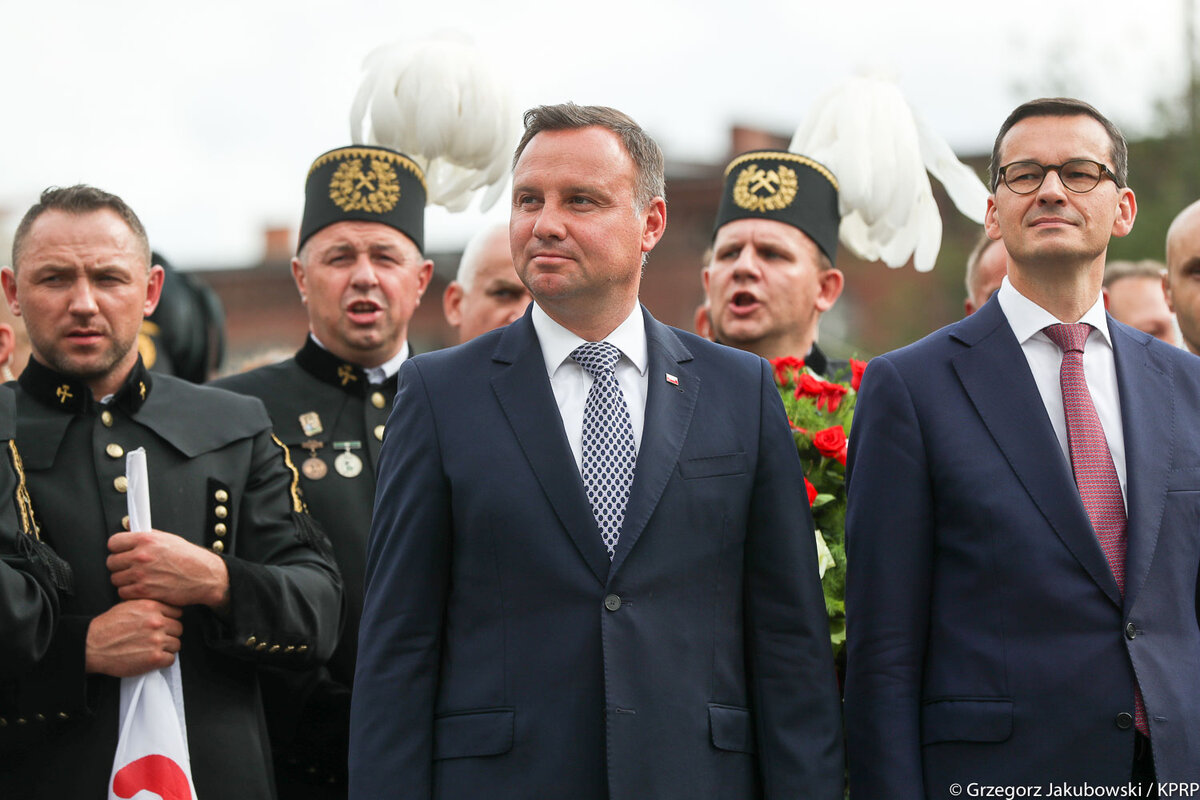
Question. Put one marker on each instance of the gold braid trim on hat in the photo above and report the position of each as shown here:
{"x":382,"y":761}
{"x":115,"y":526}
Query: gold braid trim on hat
{"x":24,"y":503}
{"x":782,"y":156}
{"x":297,"y":504}
{"x":370,"y":152}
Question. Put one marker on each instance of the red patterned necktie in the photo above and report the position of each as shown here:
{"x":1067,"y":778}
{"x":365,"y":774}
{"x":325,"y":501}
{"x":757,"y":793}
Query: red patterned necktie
{"x":1092,"y":463}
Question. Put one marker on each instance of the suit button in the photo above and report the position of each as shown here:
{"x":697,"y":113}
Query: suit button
{"x":107,"y":418}
{"x":379,"y":432}
{"x":1124,"y":720}
{"x":114,"y":450}
{"x":1130,"y":631}
{"x":121,"y":484}
{"x":612,"y":602}
{"x":221,"y":495}
{"x":377,"y":399}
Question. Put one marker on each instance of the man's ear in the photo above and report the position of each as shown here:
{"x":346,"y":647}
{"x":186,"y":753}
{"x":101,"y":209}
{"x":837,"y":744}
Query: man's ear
{"x":452,"y":303}
{"x":301,"y":279}
{"x":8,"y":343}
{"x":154,"y":288}
{"x":832,"y":282}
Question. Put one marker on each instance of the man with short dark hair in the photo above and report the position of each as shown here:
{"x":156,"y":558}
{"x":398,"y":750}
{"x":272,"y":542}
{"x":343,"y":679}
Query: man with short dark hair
{"x":234,"y":577}
{"x":591,"y":570}
{"x":486,"y":293}
{"x":1021,"y":529}
{"x":1133,"y":294}
{"x":986,"y":267}
{"x":361,"y":274}
{"x":1181,"y":284}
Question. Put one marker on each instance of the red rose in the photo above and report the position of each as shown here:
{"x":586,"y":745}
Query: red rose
{"x":812,"y":491}
{"x":831,"y":443}
{"x":786,"y":368}
{"x":810,"y":386}
{"x":831,"y":396}
{"x":857,"y":368}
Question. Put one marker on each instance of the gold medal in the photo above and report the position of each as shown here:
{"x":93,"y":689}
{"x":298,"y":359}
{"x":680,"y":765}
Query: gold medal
{"x":347,"y":464}
{"x":313,"y":468}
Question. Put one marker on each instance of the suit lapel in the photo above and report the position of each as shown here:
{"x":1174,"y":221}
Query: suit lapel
{"x":669,"y":410}
{"x":523,"y":390}
{"x":995,"y":374}
{"x":1148,"y":417}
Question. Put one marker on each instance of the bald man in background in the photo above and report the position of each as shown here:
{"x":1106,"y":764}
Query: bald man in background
{"x":1181,"y":284}
{"x":486,"y":293}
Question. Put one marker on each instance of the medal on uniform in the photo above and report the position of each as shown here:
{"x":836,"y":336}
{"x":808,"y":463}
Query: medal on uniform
{"x":313,"y":468}
{"x":347,"y":464}
{"x":310,"y":423}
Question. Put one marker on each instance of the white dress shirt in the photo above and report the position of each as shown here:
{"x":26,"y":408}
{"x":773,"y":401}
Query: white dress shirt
{"x":571,"y":382}
{"x":376,"y":375}
{"x":1027,"y":319}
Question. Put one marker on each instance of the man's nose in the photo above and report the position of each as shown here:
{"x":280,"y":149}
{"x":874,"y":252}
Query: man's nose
{"x":83,"y":299}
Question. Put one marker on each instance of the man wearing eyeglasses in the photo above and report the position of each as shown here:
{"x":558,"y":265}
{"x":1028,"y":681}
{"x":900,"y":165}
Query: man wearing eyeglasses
{"x":1024,"y":514}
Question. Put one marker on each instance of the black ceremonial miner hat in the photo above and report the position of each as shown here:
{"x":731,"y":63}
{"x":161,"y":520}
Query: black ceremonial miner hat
{"x":785,"y":187}
{"x":366,"y":183}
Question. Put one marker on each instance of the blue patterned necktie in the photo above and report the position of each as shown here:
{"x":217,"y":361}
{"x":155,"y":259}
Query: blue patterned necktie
{"x":609,"y":455}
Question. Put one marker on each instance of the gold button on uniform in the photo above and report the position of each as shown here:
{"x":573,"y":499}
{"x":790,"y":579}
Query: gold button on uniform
{"x":302,"y":648}
{"x":289,"y":648}
{"x":125,"y":522}
{"x":120,"y":484}
{"x":107,"y":418}
{"x":260,"y":645}
{"x":219,"y":529}
{"x":377,"y":399}
{"x":250,"y":642}
{"x":218,"y":547}
{"x":221,"y":511}
{"x":379,"y":432}
{"x":114,"y":450}
{"x":221,"y":495}
{"x":274,"y":649}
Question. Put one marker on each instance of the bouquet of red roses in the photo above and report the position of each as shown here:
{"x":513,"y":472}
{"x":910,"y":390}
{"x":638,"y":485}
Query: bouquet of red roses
{"x":820,"y":412}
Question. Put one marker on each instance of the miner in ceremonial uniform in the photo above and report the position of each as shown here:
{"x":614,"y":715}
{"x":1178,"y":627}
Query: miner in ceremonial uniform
{"x":31,"y":575}
{"x":361,"y":274}
{"x":234,"y":576}
{"x":771,"y":275}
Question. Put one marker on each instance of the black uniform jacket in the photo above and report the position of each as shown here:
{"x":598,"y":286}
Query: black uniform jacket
{"x":322,"y":407}
{"x":220,"y":480}
{"x":28,"y":598}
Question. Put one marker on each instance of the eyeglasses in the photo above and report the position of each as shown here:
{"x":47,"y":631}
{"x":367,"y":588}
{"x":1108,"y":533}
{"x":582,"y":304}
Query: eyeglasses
{"x":1079,"y":175}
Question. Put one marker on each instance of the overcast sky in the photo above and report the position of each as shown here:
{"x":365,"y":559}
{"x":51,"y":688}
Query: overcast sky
{"x":205,"y":116}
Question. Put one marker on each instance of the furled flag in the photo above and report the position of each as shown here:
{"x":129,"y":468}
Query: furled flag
{"x":152,"y":750}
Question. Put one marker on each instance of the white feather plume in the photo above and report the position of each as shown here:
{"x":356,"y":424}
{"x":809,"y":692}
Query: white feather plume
{"x":439,"y":102}
{"x":864,"y":131}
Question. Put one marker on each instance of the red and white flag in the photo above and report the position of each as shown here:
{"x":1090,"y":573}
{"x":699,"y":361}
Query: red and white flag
{"x":152,"y":750}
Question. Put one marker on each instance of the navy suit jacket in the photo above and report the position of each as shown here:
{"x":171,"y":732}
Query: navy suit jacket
{"x":988,"y":641}
{"x":501,"y":655}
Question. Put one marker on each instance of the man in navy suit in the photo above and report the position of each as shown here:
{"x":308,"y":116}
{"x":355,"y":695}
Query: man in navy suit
{"x":591,"y":580}
{"x":1024,"y":513}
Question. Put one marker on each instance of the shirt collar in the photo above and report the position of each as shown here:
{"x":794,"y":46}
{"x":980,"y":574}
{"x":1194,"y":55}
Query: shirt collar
{"x":558,"y":343}
{"x":316,"y":359}
{"x":1027,"y":318}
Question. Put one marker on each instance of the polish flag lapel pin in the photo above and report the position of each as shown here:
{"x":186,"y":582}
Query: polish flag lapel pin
{"x":671,"y":379}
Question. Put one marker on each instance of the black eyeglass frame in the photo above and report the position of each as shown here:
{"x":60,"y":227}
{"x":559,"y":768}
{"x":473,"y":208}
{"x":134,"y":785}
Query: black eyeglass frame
{"x":1105,"y":172}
